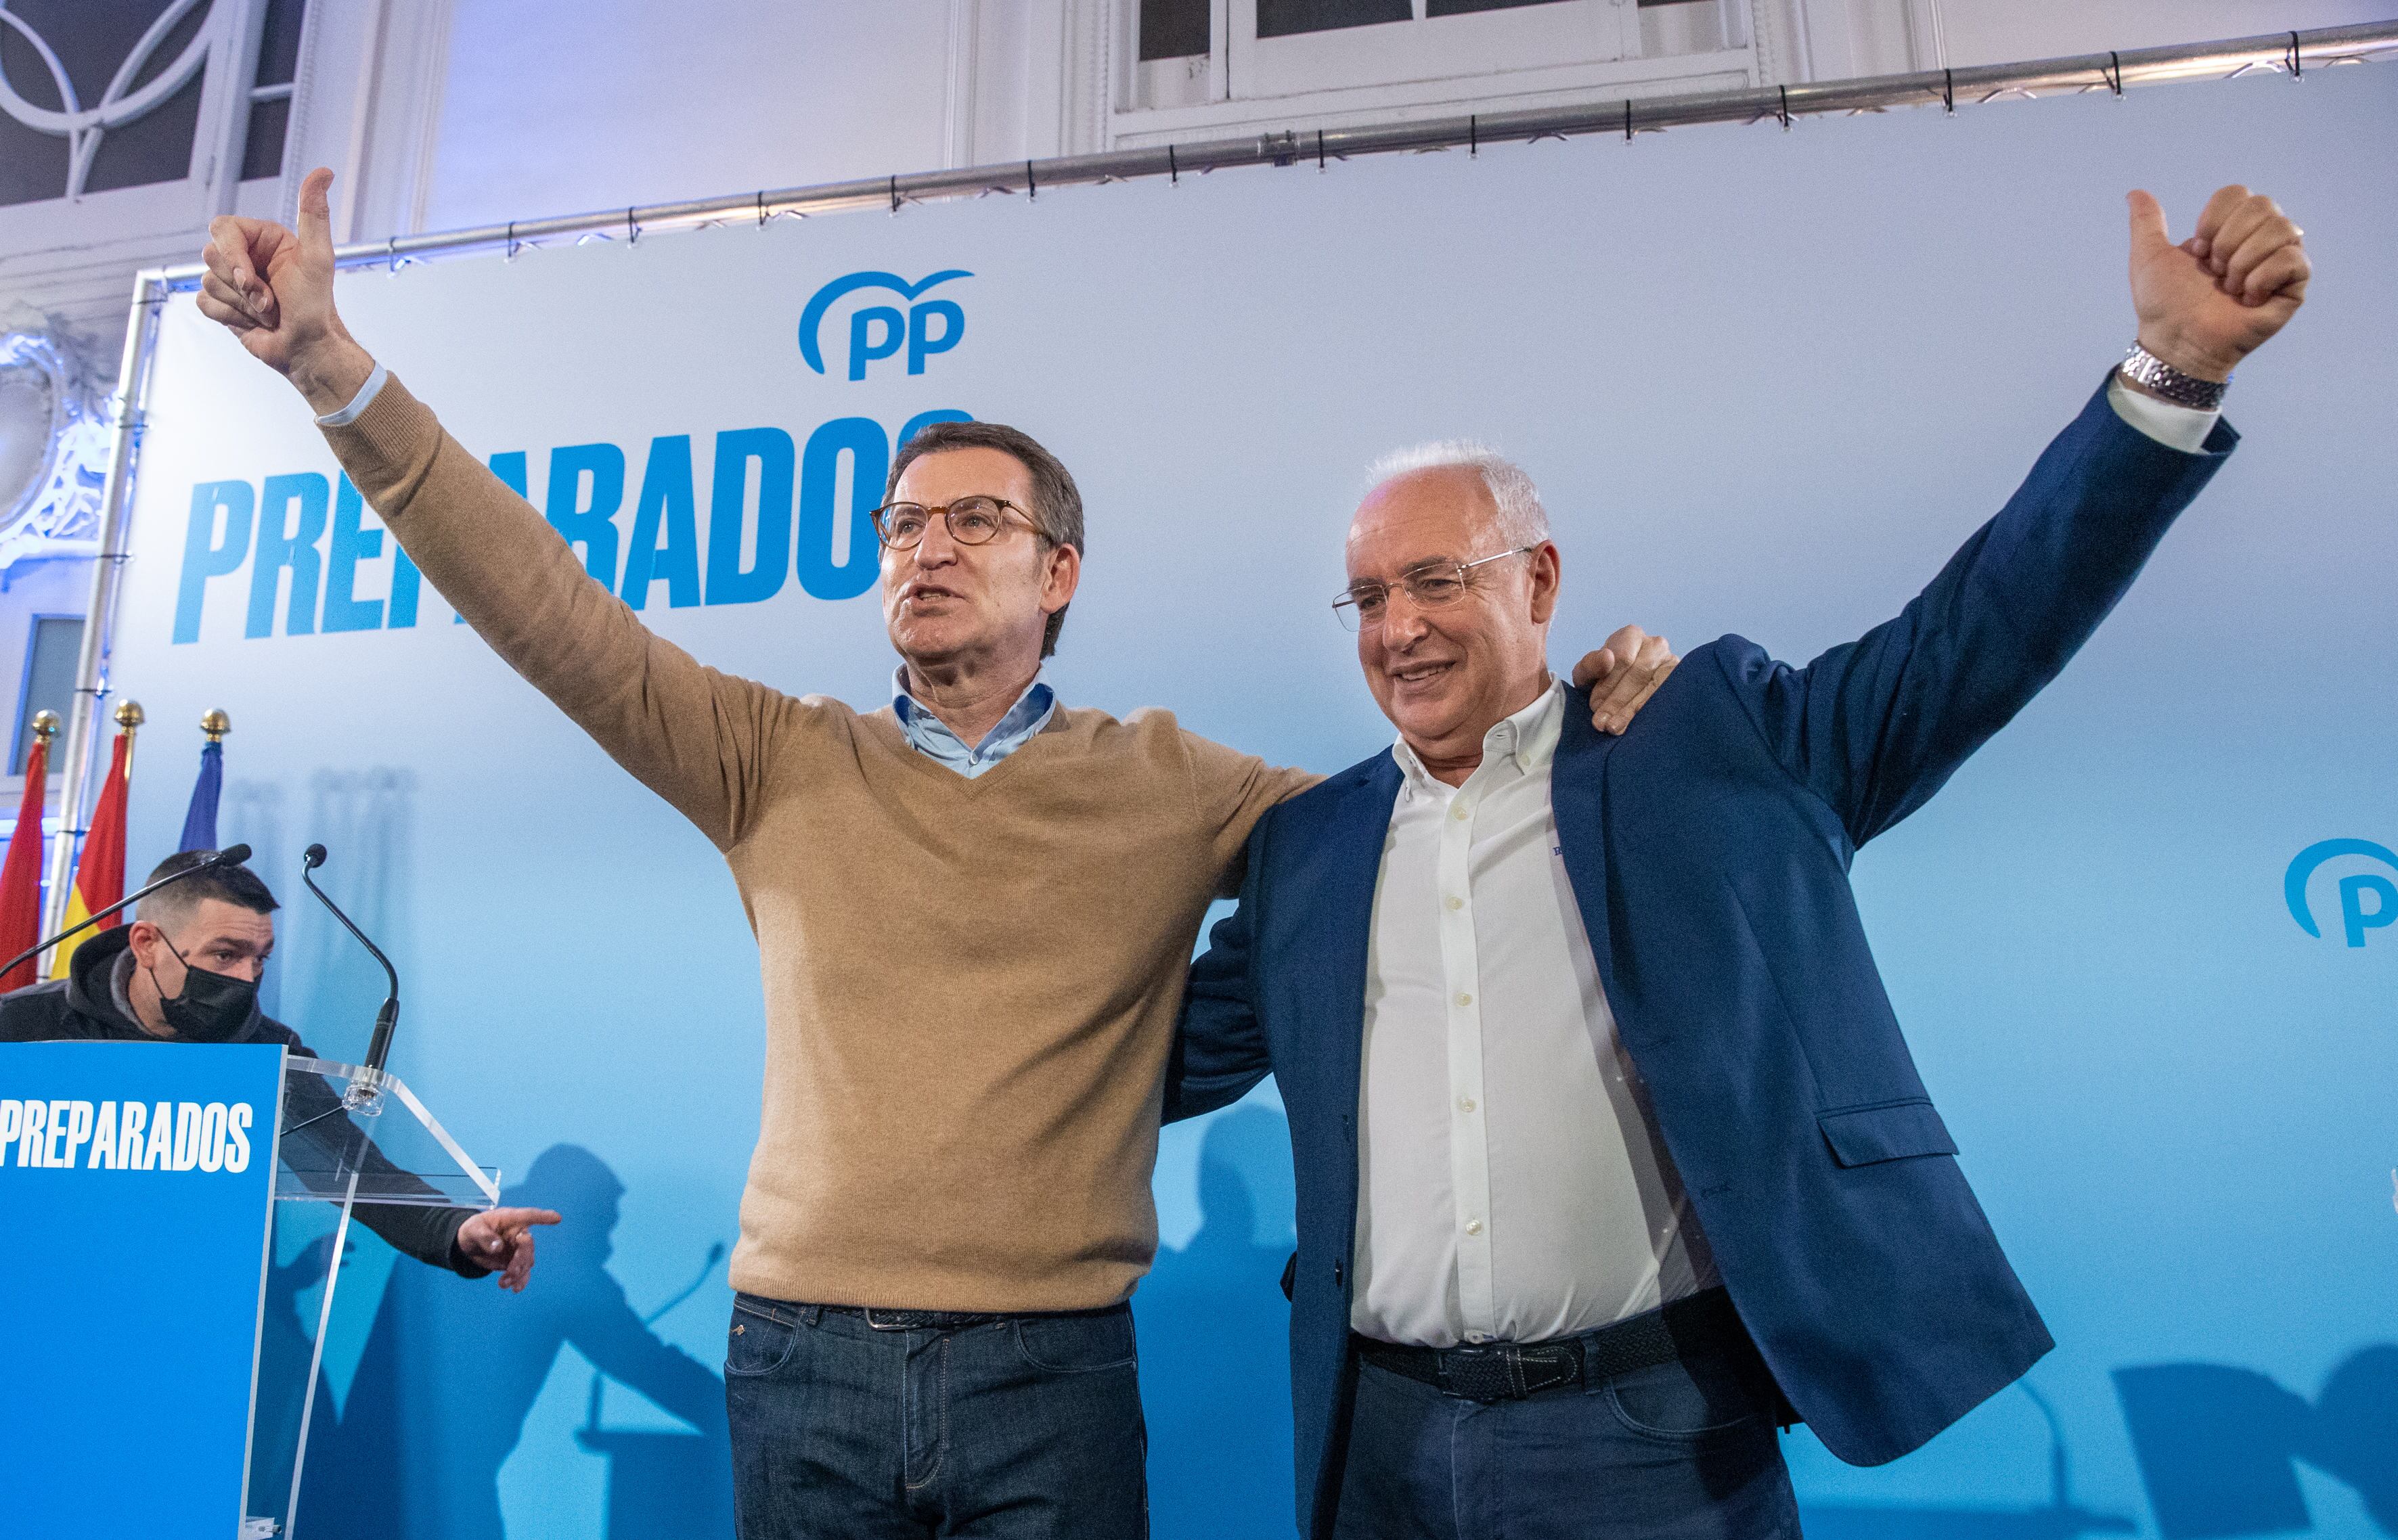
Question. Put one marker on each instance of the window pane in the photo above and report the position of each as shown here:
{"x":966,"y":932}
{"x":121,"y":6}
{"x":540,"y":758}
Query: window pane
{"x":152,"y":148}
{"x":1466,"y":7}
{"x":92,"y":41}
{"x":278,"y":44}
{"x":262,"y":151}
{"x":1173,"y":29}
{"x":50,"y":683}
{"x":1285,"y":17}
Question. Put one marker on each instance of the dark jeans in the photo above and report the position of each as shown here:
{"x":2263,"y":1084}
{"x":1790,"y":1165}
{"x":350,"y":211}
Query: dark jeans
{"x":1679,"y":1451}
{"x":1020,"y":1427}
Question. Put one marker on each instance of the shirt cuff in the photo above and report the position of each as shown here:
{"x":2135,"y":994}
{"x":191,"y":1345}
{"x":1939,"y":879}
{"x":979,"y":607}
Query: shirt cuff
{"x":366,"y":395}
{"x":2183,"y":428}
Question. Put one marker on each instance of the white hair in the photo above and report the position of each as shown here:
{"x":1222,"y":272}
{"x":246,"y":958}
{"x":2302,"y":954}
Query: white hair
{"x":1522,"y":519}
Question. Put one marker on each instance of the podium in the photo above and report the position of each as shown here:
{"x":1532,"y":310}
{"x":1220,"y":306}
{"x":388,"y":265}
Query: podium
{"x":137,"y":1188}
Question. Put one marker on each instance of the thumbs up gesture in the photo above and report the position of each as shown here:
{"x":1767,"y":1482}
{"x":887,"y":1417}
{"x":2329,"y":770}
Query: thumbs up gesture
{"x":2208,"y":302}
{"x":274,"y":289}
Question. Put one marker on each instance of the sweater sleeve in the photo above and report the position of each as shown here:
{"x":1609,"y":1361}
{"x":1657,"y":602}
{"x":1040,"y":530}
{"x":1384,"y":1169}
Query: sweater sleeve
{"x":695,"y":736}
{"x":1231,"y":792}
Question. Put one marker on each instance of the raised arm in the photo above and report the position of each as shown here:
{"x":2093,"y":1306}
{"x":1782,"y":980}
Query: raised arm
{"x":692,"y":734}
{"x":1876,"y":726}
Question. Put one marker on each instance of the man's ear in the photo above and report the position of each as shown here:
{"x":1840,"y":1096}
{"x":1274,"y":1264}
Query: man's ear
{"x":1063,"y":575}
{"x":144,"y":938}
{"x":1548,"y":579}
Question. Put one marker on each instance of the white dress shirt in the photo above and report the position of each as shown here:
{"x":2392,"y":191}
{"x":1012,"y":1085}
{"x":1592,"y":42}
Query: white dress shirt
{"x":1511,"y":1184}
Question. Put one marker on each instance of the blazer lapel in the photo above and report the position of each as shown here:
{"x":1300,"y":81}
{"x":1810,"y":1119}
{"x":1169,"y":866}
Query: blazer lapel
{"x":1578,"y":798}
{"x":1342,"y":917}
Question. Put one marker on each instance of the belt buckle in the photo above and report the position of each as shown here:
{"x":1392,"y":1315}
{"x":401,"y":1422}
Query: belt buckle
{"x":895,"y":1320}
{"x":1480,"y":1374}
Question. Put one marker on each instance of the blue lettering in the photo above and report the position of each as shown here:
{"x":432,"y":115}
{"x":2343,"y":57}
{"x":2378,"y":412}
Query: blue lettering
{"x":589,"y":523}
{"x":861,"y":352}
{"x":296,"y":549}
{"x":666,"y":503}
{"x":921,"y":343}
{"x":2355,"y":916}
{"x":203,"y":555}
{"x":870,"y":452}
{"x":728,"y":516}
{"x":351,"y":544}
{"x":406,"y":586}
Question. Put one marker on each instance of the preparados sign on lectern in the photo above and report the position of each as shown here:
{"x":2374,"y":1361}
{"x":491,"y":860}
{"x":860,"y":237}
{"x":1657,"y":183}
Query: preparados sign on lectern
{"x":137,"y":1182}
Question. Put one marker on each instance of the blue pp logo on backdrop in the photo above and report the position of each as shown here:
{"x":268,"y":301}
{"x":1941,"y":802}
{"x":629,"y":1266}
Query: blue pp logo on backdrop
{"x":2357,"y":916}
{"x":879,"y":331}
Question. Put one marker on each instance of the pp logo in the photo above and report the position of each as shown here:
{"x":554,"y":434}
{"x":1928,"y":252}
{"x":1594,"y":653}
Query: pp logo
{"x":878,"y":332}
{"x":2355,"y":916}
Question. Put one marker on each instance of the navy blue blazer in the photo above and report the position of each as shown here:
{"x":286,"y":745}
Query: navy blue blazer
{"x":1708,"y":849}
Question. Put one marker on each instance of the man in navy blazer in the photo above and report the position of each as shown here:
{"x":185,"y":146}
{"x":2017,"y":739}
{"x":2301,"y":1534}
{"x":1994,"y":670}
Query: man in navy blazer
{"x":1563,"y":1276}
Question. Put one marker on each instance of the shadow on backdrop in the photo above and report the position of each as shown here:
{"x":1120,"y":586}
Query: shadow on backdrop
{"x":2218,"y":1446}
{"x":451,"y":1369}
{"x":2058,"y":1519}
{"x":365,"y":821}
{"x":1214,"y":1344}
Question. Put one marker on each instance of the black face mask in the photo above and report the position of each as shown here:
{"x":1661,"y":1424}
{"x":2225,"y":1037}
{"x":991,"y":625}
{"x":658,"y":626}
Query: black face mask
{"x":213,"y":1008}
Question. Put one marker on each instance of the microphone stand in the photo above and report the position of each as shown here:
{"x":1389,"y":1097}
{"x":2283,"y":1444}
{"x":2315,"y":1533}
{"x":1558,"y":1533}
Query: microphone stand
{"x":387,"y":1016}
{"x":232,"y":855}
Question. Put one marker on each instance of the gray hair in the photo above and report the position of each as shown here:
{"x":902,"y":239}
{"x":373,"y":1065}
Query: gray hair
{"x":1522,"y":519}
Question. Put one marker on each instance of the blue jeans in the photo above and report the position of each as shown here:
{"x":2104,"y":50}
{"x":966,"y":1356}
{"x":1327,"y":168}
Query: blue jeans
{"x":1679,"y":1452}
{"x":1023,"y":1427}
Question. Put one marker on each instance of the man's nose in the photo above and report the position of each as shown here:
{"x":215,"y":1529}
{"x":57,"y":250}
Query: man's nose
{"x":1403,"y":619}
{"x":937,"y":548}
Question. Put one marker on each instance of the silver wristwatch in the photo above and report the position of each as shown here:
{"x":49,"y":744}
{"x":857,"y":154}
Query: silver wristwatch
{"x":2145,"y":369}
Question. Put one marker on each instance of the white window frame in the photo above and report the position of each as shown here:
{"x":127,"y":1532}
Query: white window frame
{"x":1321,"y":78}
{"x":170,"y":209}
{"x":1430,"y":66}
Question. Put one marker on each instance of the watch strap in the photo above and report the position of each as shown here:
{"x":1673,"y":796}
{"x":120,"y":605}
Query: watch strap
{"x":2145,"y":369}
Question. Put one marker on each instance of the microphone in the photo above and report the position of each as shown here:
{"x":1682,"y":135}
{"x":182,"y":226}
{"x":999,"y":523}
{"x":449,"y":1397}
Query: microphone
{"x":232,"y":855}
{"x":387,"y":1016}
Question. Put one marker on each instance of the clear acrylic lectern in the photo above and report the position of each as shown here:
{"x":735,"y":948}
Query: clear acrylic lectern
{"x":350,"y":1136}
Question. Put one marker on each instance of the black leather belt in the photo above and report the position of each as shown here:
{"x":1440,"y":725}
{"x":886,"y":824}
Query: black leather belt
{"x":1702,"y":1323}
{"x":949,"y":1321}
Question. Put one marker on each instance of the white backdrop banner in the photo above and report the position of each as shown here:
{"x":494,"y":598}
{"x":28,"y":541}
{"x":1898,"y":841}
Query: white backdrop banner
{"x":1768,"y":381}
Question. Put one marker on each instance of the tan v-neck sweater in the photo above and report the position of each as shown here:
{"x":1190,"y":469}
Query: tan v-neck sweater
{"x":971,"y":985}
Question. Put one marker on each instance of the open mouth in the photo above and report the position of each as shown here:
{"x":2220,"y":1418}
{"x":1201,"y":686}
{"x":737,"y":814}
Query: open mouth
{"x":1415,"y":675}
{"x":924,"y":593}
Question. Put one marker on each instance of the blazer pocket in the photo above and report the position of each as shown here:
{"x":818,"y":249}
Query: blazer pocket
{"x":1894,"y":1130}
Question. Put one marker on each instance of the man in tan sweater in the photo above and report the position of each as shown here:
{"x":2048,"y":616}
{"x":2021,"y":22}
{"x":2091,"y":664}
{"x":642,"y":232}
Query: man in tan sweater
{"x":949,"y":1204}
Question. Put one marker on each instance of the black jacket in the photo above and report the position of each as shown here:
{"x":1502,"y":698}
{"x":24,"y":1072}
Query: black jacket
{"x":82,"y":1007}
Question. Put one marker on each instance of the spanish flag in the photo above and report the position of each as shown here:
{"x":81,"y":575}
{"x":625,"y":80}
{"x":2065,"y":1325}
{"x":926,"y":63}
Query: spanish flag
{"x":21,"y":878}
{"x":99,"y":876}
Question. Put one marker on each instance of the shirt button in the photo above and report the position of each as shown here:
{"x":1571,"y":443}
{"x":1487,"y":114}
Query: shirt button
{"x":1465,"y":1104}
{"x":1462,"y":812}
{"x":1464,"y":999}
{"x":1455,"y":902}
{"x":1473,"y":1227}
{"x":1477,"y":1337}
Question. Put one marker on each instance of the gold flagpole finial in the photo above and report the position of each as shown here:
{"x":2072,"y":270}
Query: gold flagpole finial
{"x":216,"y":724}
{"x":129,"y":715}
{"x":46,"y":725}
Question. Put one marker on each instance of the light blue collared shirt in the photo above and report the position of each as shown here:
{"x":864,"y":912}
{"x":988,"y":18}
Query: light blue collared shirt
{"x":932,"y":738}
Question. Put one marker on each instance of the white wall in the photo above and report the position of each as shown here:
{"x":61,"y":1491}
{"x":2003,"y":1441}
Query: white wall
{"x":557,"y":106}
{"x":1996,"y":31}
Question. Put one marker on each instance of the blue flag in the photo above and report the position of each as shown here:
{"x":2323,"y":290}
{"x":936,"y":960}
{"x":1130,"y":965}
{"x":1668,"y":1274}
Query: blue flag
{"x":200,"y":823}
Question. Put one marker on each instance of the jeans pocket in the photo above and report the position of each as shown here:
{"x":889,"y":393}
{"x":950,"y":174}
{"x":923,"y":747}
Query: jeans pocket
{"x":1699,"y":1399}
{"x":1073,"y":1345}
{"x":759,"y":1341}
